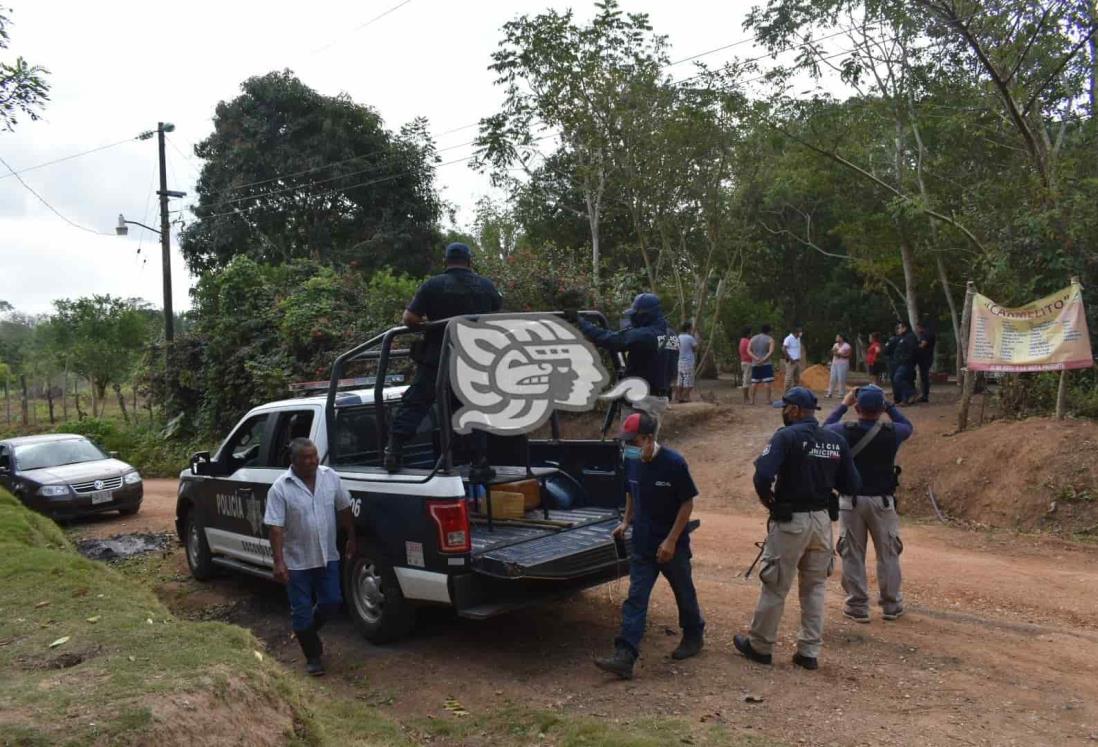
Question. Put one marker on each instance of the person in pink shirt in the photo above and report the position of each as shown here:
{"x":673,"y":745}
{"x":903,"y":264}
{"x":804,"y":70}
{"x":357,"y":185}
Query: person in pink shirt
{"x":745,"y":363}
{"x":840,"y":366}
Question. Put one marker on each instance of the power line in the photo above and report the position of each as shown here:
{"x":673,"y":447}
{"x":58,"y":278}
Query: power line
{"x":52,"y":209}
{"x":361,"y":26}
{"x":67,"y":158}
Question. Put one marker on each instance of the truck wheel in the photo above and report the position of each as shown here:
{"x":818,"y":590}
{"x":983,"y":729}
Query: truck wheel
{"x":198,"y":551}
{"x":377,"y":606}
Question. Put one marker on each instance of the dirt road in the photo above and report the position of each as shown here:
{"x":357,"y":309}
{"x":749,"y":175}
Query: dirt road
{"x":999,"y":646}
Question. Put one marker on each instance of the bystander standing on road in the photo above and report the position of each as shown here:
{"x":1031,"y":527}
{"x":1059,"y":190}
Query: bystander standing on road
{"x":761,"y":350}
{"x":873,"y":444}
{"x":688,"y":346}
{"x":903,"y":364}
{"x":746,"y":363}
{"x":302,"y":507}
{"x":874,"y":359}
{"x":793,"y":355}
{"x":840,"y":365}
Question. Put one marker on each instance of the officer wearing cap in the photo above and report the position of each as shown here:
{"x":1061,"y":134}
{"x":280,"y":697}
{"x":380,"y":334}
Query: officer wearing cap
{"x":873,"y":444}
{"x":650,"y":347}
{"x":455,"y":292}
{"x":658,"y":502}
{"x":808,"y":463}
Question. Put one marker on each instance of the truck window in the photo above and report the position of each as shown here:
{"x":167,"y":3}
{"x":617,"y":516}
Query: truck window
{"x":245,"y":447}
{"x":291,"y":424}
{"x":356,"y":440}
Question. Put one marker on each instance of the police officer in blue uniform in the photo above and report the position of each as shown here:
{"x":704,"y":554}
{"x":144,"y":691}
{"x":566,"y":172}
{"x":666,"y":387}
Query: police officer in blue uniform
{"x":808,"y":464}
{"x":659,"y":500}
{"x":650,"y":347}
{"x":456,"y":292}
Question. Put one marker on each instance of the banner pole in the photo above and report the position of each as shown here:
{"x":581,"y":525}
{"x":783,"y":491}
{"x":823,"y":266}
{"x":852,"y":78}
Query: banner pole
{"x":1061,"y":390}
{"x":969,"y":377}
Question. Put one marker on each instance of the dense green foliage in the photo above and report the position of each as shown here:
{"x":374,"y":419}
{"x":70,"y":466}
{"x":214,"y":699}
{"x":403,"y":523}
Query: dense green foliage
{"x":290,"y":173}
{"x":23,"y":86}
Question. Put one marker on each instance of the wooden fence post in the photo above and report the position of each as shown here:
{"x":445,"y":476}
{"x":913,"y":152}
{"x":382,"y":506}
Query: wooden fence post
{"x":969,"y":384}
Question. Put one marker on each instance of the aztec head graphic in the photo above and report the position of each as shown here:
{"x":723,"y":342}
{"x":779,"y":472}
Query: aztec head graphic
{"x":512,"y":372}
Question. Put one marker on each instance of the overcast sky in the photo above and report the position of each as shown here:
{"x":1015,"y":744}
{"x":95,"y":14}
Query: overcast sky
{"x":119,"y":67}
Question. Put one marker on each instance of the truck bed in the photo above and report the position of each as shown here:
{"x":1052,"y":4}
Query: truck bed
{"x":517,"y":550}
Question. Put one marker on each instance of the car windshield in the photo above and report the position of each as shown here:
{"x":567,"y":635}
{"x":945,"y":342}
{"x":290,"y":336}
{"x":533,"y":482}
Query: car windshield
{"x":56,"y":453}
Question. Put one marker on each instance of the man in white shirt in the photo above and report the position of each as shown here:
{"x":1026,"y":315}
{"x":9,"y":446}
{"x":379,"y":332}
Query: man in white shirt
{"x":794,"y":361}
{"x":302,"y":506}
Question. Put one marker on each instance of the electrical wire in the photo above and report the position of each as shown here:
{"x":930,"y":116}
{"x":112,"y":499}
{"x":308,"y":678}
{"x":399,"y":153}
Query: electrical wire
{"x":68,"y":158}
{"x":361,"y":26}
{"x":52,"y":209}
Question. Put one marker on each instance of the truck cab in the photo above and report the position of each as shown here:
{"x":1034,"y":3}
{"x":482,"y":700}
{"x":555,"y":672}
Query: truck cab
{"x":538,"y":526}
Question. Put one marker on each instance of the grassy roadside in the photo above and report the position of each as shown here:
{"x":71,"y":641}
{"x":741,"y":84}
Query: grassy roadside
{"x":129,"y":672}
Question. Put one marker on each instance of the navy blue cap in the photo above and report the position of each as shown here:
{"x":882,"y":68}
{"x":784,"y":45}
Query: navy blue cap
{"x":457,"y":250}
{"x":871,"y":398}
{"x":645,"y":302}
{"x":799,"y":396}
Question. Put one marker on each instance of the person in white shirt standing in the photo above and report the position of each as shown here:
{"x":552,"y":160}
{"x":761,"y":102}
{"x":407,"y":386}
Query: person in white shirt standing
{"x":840,"y":366}
{"x":688,"y":346}
{"x":794,"y":360}
{"x":302,"y":507}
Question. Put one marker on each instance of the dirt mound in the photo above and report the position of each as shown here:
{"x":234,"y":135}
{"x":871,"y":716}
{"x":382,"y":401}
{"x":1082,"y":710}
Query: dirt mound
{"x":816,"y":377}
{"x":1031,"y":474}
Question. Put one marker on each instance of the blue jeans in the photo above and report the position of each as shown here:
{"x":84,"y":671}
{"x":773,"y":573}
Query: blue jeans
{"x":903,"y":382}
{"x":643,"y":572}
{"x":314,"y":595}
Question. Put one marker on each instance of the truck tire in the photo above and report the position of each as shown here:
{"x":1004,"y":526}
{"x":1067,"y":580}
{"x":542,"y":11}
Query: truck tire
{"x":196,"y":548}
{"x":374,"y":600}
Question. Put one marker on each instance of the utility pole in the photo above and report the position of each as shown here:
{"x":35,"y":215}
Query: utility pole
{"x":165,"y":239}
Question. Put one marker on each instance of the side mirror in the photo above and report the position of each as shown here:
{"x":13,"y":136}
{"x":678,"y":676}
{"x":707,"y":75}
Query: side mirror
{"x":202,"y":465}
{"x":112,"y":454}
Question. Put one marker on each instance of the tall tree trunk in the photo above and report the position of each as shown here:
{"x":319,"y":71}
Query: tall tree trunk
{"x":907,"y":256}
{"x":65,"y":393}
{"x":952,"y":312}
{"x":26,"y":411}
{"x":7,"y":400}
{"x":121,"y":403}
{"x":94,"y":399}
{"x":101,"y":396}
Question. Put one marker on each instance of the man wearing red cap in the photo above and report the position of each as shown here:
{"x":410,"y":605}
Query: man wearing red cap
{"x":659,"y":500}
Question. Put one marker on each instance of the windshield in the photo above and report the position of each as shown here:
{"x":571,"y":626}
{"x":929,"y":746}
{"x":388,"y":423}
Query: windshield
{"x":56,"y":453}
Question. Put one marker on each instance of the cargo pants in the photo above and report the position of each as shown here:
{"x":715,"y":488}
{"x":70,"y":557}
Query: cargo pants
{"x":801,"y":546}
{"x":875,"y":516}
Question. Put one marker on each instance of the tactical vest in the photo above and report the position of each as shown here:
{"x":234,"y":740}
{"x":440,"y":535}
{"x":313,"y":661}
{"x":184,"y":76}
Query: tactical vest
{"x":459,"y":292}
{"x":875,"y":462}
{"x":807,"y":476}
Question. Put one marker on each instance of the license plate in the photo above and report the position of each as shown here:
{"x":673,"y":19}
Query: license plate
{"x":103,"y":496}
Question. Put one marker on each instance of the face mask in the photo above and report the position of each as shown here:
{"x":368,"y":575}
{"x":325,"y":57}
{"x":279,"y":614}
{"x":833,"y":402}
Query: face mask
{"x":633,"y":452}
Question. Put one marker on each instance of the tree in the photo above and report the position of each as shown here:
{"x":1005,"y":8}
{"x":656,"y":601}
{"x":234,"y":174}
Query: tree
{"x":104,"y":336}
{"x":291,"y":173}
{"x":570,"y":80}
{"x":23,"y":86}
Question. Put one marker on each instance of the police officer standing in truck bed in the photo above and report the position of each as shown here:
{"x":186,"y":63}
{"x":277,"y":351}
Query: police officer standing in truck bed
{"x":456,"y":292}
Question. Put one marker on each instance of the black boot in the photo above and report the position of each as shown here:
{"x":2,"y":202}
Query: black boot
{"x":619,"y":663}
{"x":311,"y":647}
{"x":394,"y":455}
{"x":743,"y":645}
{"x":481,"y":473}
{"x":690,"y":645}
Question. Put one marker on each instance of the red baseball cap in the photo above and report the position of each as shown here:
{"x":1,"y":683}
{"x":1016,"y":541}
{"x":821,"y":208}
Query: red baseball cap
{"x":637,"y":424}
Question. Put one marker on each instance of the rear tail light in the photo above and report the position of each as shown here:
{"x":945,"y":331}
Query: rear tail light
{"x":452,"y":520}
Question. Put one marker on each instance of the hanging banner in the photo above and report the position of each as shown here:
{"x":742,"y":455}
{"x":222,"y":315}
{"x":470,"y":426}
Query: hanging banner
{"x":1046,"y":335}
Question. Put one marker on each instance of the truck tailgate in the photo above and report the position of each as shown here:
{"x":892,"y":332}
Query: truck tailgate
{"x":535,"y":552}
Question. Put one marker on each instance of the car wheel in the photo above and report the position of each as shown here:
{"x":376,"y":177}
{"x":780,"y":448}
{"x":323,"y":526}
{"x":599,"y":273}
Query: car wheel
{"x":374,"y":600}
{"x":198,"y":551}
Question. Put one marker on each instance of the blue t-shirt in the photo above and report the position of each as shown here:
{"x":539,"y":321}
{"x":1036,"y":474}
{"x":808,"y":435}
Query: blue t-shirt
{"x":659,"y":488}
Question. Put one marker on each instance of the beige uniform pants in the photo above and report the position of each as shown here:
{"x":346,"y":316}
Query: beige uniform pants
{"x":868,"y":515}
{"x":802,"y":546}
{"x":793,"y":371}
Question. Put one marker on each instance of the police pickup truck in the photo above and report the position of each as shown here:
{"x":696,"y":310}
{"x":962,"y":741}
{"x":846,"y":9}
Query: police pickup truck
{"x":426,"y":535}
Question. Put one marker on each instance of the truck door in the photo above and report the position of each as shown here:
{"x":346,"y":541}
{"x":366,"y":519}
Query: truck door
{"x":233,"y":502}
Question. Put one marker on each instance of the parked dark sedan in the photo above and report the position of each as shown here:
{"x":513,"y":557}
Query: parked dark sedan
{"x":65,"y":475}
